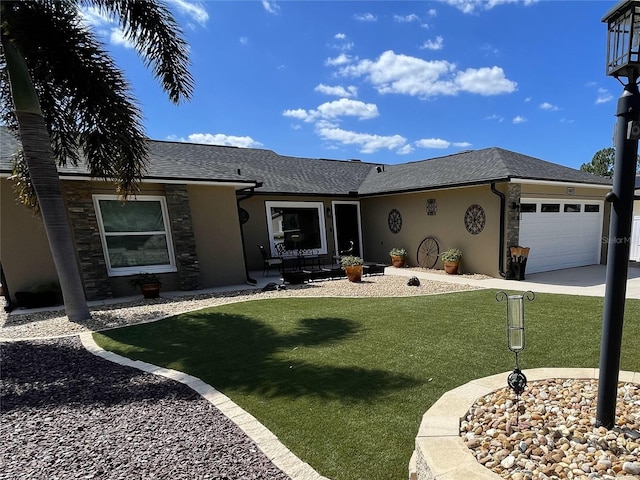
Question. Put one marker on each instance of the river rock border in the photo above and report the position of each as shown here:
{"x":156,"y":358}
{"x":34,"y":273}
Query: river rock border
{"x":440,"y":452}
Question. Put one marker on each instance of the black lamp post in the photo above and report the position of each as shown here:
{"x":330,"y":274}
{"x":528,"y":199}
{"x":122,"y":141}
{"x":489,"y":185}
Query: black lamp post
{"x":623,"y":60}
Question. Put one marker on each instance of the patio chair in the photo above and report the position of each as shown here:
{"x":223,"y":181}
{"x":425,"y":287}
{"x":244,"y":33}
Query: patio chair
{"x":269,"y":261}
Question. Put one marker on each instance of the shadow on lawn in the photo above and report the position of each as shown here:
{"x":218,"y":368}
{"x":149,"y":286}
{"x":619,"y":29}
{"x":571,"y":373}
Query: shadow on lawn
{"x":238,"y":353}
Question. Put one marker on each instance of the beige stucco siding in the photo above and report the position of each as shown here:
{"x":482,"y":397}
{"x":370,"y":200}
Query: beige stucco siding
{"x":217,"y":235}
{"x":24,"y":249}
{"x":480,"y":251}
{"x":561,"y":191}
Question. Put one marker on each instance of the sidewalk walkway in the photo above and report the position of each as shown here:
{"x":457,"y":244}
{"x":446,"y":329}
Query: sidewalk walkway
{"x":587,"y":281}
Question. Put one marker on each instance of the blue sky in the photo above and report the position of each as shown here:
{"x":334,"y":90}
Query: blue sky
{"x":387,"y":81}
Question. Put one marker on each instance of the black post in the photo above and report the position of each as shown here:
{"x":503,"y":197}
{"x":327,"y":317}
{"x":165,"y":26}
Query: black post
{"x":621,"y":198}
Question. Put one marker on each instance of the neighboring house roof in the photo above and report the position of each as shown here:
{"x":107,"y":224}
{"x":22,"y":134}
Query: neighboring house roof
{"x":188,"y":162}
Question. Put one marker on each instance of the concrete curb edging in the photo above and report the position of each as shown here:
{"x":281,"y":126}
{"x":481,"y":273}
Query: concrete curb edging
{"x":268,"y":443}
{"x":440,"y":453}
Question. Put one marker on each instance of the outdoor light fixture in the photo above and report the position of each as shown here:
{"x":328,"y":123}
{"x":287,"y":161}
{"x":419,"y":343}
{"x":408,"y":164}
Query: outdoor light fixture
{"x":515,"y":335}
{"x":623,"y":60}
{"x":623,"y":40}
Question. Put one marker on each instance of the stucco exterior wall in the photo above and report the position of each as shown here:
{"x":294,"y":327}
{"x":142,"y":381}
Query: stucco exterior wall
{"x":24,"y":249}
{"x":480,"y":251}
{"x":217,"y":235}
{"x":561,"y":191}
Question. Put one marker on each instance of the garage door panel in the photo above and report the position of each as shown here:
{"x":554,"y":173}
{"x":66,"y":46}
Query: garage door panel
{"x":561,"y":239}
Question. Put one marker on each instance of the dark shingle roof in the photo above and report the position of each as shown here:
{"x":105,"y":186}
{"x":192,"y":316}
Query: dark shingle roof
{"x":471,"y":168}
{"x":306,"y":176}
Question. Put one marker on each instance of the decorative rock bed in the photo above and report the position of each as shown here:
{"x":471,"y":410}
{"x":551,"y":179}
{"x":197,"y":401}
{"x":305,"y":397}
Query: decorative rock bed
{"x":475,"y":431}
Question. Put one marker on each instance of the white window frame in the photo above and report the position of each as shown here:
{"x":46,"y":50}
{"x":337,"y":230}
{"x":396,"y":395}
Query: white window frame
{"x":124,"y":271}
{"x":319,"y":206}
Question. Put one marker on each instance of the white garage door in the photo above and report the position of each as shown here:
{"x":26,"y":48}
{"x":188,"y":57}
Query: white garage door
{"x":562,"y":233}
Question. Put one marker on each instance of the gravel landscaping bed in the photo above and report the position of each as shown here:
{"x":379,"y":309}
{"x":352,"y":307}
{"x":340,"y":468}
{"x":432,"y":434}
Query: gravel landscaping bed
{"x":69,"y":414}
{"x":554,"y":436}
{"x":55,"y":323}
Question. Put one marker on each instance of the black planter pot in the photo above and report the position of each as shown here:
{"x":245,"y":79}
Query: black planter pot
{"x":37,"y":299}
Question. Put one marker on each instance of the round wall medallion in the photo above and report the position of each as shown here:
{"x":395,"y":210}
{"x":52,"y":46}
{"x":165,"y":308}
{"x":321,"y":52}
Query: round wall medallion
{"x":474,"y":219}
{"x":432,"y":206}
{"x":395,"y":221}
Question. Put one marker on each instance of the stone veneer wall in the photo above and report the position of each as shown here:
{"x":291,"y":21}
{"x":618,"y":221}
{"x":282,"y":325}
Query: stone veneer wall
{"x":513,"y":221}
{"x":84,"y":224}
{"x":184,"y":243}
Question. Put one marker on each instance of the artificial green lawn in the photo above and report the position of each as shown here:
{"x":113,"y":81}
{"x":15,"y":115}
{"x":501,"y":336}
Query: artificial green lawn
{"x":344,"y":382}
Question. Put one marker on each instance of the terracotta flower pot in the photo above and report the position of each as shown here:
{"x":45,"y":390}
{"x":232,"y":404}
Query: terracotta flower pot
{"x":354,"y":273}
{"x":397,"y":261}
{"x":150,"y":290}
{"x":451,"y":267}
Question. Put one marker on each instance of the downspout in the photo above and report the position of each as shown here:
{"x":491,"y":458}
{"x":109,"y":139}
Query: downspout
{"x":501,"y":243}
{"x":250,"y":281}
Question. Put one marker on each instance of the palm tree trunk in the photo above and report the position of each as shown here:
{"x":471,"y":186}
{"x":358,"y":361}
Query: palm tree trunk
{"x":46,"y":183}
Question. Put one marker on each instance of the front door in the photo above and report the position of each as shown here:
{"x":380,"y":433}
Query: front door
{"x":346,"y":227}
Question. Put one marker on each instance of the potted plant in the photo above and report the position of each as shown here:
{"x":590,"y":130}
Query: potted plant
{"x":352,"y":266}
{"x":149,"y":284}
{"x":398,"y":256}
{"x":451,"y":260}
{"x":45,"y":294}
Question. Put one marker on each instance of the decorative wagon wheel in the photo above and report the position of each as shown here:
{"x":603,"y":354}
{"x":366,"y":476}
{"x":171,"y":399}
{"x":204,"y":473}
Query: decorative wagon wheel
{"x":428,"y":252}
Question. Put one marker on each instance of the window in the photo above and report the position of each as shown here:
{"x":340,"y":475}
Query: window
{"x":296,"y":225}
{"x":135,"y":235}
{"x":550,"y":207}
{"x":572,"y":207}
{"x":591,"y":208}
{"x":528,"y":208}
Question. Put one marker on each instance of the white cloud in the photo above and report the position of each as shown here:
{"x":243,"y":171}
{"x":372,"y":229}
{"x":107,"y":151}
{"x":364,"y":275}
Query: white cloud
{"x":271,"y":7}
{"x":300,"y":114}
{"x":343,"y":107}
{"x":412,"y":17}
{"x":485,"y":81}
{"x":407,"y":149}
{"x":340,"y":36}
{"x":436,"y":44}
{"x":341,"y":59}
{"x":244,"y":40}
{"x":368,"y":143}
{"x":218,"y":139}
{"x":518,"y":119}
{"x":495,"y":117}
{"x":603,"y":96}
{"x":346,"y":107}
{"x":338,"y":90}
{"x":440,"y":143}
{"x":403,"y":74}
{"x":117,"y":38}
{"x":549,"y":107}
{"x":432,"y":143}
{"x":194,"y":10}
{"x":471,"y":6}
{"x":432,"y":12}
{"x":366,"y":17}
